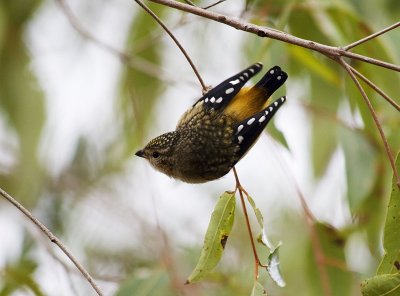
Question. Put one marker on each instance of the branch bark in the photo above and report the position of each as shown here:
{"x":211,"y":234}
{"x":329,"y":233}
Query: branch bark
{"x":53,"y":239}
{"x":329,"y":51}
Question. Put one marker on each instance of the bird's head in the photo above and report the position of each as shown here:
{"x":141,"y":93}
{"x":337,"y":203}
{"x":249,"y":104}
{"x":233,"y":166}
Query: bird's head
{"x":160,"y":152}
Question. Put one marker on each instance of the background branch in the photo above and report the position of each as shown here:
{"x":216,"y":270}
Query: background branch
{"x":53,"y":239}
{"x":329,"y":51}
{"x":159,"y":21}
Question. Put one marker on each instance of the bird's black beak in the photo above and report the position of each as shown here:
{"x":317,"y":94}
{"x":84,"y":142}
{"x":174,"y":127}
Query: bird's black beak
{"x":140,"y":153}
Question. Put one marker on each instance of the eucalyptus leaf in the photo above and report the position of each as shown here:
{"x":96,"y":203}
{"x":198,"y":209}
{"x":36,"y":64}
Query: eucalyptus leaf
{"x":391,"y":239}
{"x":217,"y":234}
{"x":273,"y":269}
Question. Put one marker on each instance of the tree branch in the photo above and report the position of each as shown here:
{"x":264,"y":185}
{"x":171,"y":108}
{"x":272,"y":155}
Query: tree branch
{"x":374,"y":116}
{"x":376,"y":88}
{"x":53,"y":239}
{"x":354,"y":44}
{"x":159,"y":21}
{"x":329,"y":51}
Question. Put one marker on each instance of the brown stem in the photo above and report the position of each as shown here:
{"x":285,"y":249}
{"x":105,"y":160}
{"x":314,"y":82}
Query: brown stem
{"x":374,"y":116}
{"x":53,"y":239}
{"x":376,"y":88}
{"x":239,"y":187}
{"x":160,"y":22}
{"x":330,"y":51}
{"x":214,"y":4}
{"x":376,"y":34}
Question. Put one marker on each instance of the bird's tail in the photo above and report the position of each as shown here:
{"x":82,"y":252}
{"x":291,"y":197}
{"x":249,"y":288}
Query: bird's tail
{"x":271,"y":81}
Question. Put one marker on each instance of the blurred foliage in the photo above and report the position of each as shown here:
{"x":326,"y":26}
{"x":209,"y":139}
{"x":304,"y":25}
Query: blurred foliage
{"x":339,"y":121}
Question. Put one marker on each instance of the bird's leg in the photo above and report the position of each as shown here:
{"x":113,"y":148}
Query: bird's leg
{"x":246,"y":216}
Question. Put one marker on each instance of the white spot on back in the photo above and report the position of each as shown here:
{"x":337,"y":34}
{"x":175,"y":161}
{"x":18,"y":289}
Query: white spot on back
{"x":272,"y":72}
{"x":240,"y":127}
{"x":206,"y":100}
{"x":240,"y":139}
{"x":270,"y":108}
{"x":279,"y":77}
{"x":266,"y":112}
{"x":251,"y":70}
{"x":276,"y":104}
{"x":262,"y":118}
{"x":258,"y":65}
{"x":229,"y":90}
{"x":251,"y":120}
{"x":234,"y":82}
{"x":241,"y":78}
{"x":283,"y":99}
{"x":246,"y":74}
{"x":219,"y":100}
{"x":212,"y":100}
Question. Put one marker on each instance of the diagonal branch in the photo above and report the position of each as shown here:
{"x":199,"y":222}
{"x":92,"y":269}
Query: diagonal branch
{"x":159,"y":21}
{"x":358,"y":42}
{"x":329,"y":51}
{"x":375,"y":88}
{"x":53,"y":239}
{"x":374,"y":116}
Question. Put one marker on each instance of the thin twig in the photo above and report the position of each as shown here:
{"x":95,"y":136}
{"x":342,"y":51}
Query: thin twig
{"x":132,"y":61}
{"x":311,"y":221}
{"x":330,"y":51}
{"x":374,"y":116}
{"x":376,"y":88}
{"x":160,"y":22}
{"x":358,"y":42}
{"x":257,"y":261}
{"x":73,"y":20}
{"x":53,"y":239}
{"x":214,"y":4}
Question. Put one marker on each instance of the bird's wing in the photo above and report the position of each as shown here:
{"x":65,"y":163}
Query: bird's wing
{"x":222,"y":94}
{"x":248,"y":130}
{"x":219,"y":97}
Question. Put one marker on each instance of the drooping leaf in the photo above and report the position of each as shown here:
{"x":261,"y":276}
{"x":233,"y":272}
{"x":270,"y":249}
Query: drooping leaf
{"x":257,"y":212}
{"x":391,"y":238}
{"x":216,"y":236}
{"x":273,"y":267}
{"x":258,"y":289}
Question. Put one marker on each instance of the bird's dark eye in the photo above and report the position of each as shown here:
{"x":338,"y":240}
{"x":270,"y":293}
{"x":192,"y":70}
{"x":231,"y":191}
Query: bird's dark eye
{"x":155,"y":154}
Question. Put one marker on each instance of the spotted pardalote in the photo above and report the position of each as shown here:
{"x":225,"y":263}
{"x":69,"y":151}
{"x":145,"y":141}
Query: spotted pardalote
{"x":219,"y":129}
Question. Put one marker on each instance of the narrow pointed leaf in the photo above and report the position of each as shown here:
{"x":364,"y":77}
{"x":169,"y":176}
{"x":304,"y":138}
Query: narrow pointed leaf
{"x":257,"y":212}
{"x":391,"y":240}
{"x":217,"y":234}
{"x":273,"y":267}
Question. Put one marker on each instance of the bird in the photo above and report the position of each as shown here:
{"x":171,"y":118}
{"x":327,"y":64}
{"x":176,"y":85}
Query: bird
{"x":218,"y":129}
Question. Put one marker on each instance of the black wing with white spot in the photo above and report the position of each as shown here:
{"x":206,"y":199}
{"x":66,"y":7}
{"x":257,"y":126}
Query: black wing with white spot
{"x":272,"y":80}
{"x":220,"y":96}
{"x":247,"y":131}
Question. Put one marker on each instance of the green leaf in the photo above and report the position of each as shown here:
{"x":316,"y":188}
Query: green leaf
{"x":258,"y":289}
{"x":257,"y":211}
{"x":382,"y":285}
{"x":216,"y":236}
{"x":391,"y":239}
{"x":273,"y":269}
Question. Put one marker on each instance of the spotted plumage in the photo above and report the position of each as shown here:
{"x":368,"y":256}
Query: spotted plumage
{"x":219,"y":129}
